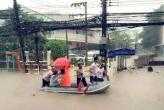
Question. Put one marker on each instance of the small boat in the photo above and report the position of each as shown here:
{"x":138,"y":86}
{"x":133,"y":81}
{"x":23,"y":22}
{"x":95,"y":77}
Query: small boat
{"x":98,"y":87}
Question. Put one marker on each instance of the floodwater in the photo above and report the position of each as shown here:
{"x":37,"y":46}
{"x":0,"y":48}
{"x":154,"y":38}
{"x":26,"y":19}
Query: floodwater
{"x":129,"y":90}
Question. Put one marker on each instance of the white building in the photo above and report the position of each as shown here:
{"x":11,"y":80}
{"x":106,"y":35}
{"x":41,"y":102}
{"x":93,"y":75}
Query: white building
{"x":76,"y":38}
{"x":93,"y":36}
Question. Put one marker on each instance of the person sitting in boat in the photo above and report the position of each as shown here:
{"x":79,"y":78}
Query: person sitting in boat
{"x":47,"y":76}
{"x":93,"y":70}
{"x":100,"y":73}
{"x":55,"y":77}
{"x":80,"y":76}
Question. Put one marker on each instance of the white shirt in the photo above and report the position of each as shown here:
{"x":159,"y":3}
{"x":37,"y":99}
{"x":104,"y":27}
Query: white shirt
{"x":100,"y":72}
{"x":47,"y":75}
{"x":93,"y":69}
{"x":80,"y":73}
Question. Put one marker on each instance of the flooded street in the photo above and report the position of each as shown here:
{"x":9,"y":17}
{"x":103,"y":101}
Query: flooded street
{"x":129,"y":90}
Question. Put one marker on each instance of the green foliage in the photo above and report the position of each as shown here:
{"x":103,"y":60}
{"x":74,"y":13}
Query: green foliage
{"x":9,"y":44}
{"x":26,"y":17}
{"x":2,"y":56}
{"x":151,"y":35}
{"x":120,"y":40}
{"x":57,"y":47}
{"x":30,"y":43}
{"x":12,"y":42}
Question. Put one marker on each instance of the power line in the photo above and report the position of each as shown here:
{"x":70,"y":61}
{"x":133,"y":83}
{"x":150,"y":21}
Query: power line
{"x":44,"y":5}
{"x":119,"y":17}
{"x":38,"y":12}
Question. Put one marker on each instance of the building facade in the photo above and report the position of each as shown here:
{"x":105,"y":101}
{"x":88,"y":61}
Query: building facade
{"x":76,"y":38}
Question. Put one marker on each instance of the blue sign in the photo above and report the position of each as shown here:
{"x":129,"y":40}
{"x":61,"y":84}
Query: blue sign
{"x":121,"y":52}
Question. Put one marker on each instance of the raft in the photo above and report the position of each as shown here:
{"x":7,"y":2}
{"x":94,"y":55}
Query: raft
{"x":96,"y":88}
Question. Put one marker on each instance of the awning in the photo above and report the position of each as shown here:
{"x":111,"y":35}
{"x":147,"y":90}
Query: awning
{"x":121,"y":52}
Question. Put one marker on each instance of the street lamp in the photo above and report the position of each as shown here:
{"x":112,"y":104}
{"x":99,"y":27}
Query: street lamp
{"x":86,"y":40}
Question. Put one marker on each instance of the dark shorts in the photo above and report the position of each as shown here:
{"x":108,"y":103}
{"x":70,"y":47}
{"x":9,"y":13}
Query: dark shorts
{"x":100,"y":79}
{"x":83,"y":81}
{"x":93,"y":79}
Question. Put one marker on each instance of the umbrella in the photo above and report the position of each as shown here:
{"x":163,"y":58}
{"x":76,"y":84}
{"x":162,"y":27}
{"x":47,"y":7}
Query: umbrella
{"x":64,"y":63}
{"x":61,"y":62}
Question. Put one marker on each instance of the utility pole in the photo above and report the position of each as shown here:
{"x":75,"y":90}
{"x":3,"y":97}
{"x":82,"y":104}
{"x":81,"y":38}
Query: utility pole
{"x":66,"y":38}
{"x":17,"y":25}
{"x":103,"y":46}
{"x":66,"y":35}
{"x":86,"y":39}
{"x":104,"y":18}
{"x":86,"y":25}
{"x":36,"y":40}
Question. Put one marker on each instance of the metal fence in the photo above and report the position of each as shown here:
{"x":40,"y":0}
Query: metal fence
{"x":9,"y":62}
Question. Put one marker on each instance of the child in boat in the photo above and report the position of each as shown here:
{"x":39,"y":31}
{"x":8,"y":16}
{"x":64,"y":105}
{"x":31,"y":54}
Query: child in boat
{"x":55,"y":77}
{"x":80,"y":76}
{"x":47,"y":76}
{"x":93,"y":70}
{"x":100,"y":73}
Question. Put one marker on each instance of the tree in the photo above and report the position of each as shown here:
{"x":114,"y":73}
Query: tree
{"x":11,"y":42}
{"x":57,"y":47}
{"x":151,"y":35}
{"x":30,"y":43}
{"x":120,"y":40}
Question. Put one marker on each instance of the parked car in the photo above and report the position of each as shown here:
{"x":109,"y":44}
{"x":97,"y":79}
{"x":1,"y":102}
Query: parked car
{"x":77,"y":57}
{"x":92,"y":53}
{"x":81,"y":58}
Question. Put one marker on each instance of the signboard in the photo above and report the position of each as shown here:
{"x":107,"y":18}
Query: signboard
{"x":121,"y":52}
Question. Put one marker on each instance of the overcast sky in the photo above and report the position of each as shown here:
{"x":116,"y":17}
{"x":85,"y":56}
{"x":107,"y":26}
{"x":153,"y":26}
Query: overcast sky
{"x":63,"y":6}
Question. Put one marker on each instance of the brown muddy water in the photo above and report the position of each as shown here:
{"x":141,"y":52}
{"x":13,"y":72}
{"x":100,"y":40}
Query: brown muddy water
{"x":134,"y":90}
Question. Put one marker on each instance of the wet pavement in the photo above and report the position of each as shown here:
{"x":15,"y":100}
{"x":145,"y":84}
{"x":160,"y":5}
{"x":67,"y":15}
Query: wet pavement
{"x":129,"y":90}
